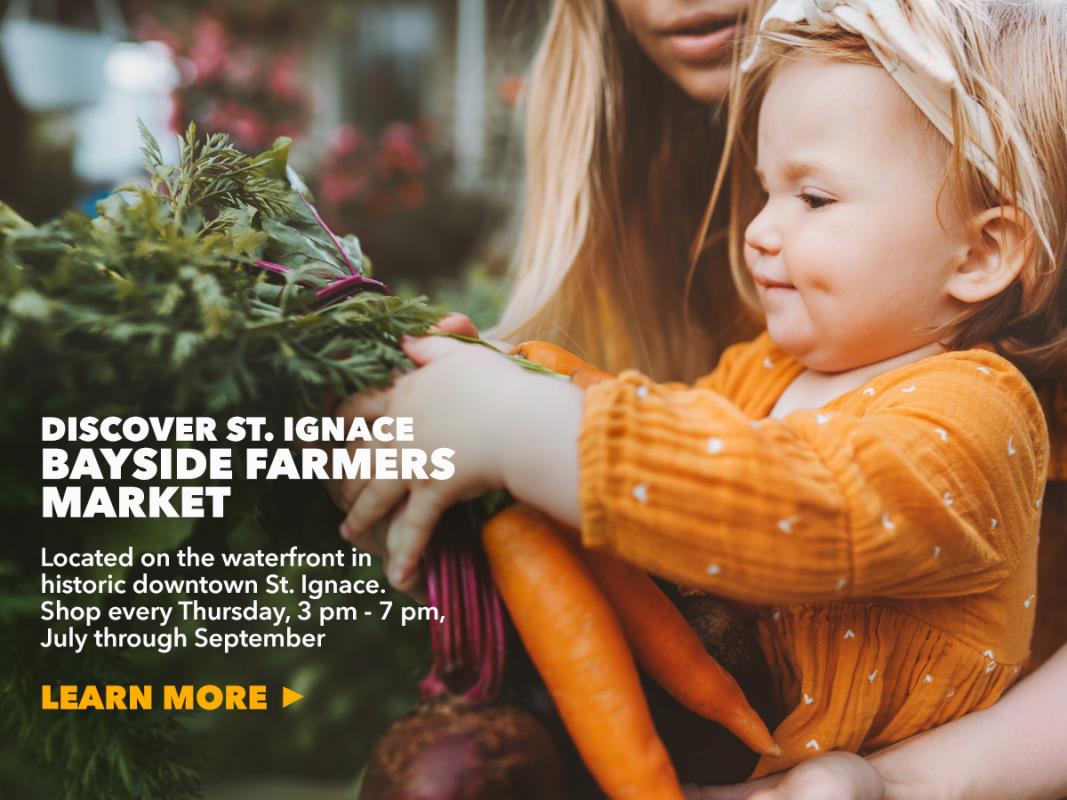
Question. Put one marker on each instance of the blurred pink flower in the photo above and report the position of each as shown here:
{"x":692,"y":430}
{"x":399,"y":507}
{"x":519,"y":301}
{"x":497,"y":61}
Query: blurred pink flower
{"x":283,"y":77}
{"x":357,"y":175}
{"x":240,"y":86}
{"x":148,"y":29}
{"x":399,"y":150}
{"x":242,"y":71}
{"x":247,"y":127}
{"x":346,"y":140}
{"x":342,"y":189}
{"x":209,"y":48}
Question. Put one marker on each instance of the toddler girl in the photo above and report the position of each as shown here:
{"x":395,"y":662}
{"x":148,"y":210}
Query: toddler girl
{"x":869,"y":471}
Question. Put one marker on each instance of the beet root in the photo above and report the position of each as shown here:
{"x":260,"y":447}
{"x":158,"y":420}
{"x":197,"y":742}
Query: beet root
{"x":459,"y":750}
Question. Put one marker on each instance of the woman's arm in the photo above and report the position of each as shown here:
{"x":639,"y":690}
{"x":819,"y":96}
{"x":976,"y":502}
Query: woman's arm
{"x":1015,"y":750}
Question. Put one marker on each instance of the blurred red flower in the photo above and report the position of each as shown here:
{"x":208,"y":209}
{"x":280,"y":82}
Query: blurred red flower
{"x":240,"y":87}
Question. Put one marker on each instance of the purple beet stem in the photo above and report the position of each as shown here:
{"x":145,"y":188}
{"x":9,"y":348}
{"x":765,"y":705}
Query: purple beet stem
{"x":338,"y":288}
{"x":468,"y":647}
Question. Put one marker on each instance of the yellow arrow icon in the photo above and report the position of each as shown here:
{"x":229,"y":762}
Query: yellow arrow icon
{"x":289,"y":697}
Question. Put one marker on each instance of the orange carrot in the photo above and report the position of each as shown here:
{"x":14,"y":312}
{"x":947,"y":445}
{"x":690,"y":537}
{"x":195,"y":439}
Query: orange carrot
{"x":574,"y":639}
{"x":672,"y":654}
{"x":558,"y":359}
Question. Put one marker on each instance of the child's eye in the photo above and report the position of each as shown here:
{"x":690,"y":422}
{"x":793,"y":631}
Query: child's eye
{"x":815,"y":201}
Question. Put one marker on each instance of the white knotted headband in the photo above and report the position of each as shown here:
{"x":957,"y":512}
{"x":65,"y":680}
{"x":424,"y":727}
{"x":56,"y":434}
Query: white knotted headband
{"x":921,"y":67}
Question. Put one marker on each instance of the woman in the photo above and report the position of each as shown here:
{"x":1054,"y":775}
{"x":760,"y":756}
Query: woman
{"x":621,"y":151}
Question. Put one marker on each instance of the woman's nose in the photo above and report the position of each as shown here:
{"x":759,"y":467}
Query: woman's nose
{"x":763,"y":235}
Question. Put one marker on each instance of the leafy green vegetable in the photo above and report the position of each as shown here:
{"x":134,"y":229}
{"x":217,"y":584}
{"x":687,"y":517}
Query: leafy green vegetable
{"x":214,"y":289}
{"x":166,"y":294}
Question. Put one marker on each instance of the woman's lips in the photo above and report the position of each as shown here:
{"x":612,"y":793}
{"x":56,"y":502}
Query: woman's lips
{"x":701,"y":38}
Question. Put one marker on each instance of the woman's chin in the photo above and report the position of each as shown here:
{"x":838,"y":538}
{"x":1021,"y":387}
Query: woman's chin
{"x":710,"y":84}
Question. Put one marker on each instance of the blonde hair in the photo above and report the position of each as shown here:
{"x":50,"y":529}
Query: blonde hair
{"x":619,"y":162}
{"x":1012,"y":58}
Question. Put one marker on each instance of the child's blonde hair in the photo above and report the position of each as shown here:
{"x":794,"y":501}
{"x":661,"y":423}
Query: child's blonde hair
{"x":618,"y":165}
{"x":1012,"y":59}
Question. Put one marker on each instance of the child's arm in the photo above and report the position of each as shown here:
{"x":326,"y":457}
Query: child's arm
{"x":510,"y":429}
{"x":506,"y":428}
{"x":933,"y":490}
{"x":546,"y":477}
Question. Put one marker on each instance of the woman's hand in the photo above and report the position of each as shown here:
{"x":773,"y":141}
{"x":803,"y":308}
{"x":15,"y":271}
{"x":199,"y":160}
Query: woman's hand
{"x":1010,"y":751}
{"x":456,"y":323}
{"x":462,"y":400}
{"x":462,"y":325}
{"x":833,"y":776}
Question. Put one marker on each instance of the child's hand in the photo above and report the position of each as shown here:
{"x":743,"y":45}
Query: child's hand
{"x":834,"y":776}
{"x":342,"y":492}
{"x":458,"y":399}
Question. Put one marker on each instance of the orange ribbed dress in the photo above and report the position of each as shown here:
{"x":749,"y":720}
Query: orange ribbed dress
{"x":889,"y":538}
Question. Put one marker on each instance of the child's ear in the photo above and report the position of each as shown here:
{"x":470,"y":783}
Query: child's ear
{"x":999,"y":249}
